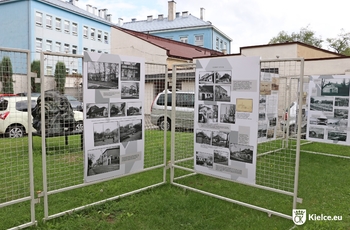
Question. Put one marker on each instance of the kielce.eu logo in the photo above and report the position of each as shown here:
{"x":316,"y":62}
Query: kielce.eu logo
{"x":299,"y":216}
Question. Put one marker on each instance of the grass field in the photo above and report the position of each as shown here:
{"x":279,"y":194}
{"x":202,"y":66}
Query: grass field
{"x":323,"y":185}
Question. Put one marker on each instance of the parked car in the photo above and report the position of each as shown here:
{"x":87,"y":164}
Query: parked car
{"x":75,"y":103}
{"x":293,"y":110}
{"x":184,"y":110}
{"x":14,"y":116}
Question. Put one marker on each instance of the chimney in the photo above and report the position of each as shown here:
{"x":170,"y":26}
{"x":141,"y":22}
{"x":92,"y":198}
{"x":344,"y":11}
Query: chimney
{"x":94,"y":10}
{"x":120,"y":22}
{"x":109,"y":17}
{"x":185,"y":14}
{"x":149,"y":18}
{"x":177,"y":14}
{"x":133,"y":20}
{"x":100,"y":13}
{"x":202,"y":13}
{"x":104,"y":13}
{"x":171,"y":10}
{"x":160,"y":16}
{"x":73,"y":2}
{"x":88,"y":8}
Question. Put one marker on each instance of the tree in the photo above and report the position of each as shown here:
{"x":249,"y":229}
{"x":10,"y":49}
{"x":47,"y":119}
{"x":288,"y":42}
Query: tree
{"x":6,"y":75}
{"x":60,"y":76}
{"x":305,"y":35}
{"x":35,"y":68}
{"x":341,"y":44}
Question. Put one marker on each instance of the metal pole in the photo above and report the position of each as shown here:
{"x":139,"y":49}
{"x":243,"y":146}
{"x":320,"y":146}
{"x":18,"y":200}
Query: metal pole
{"x":165,"y":116}
{"x":173,"y":108}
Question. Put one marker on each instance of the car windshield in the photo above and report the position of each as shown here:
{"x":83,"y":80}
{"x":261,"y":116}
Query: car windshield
{"x":71,"y":98}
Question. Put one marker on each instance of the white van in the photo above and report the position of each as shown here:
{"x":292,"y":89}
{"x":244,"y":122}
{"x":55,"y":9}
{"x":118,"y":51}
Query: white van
{"x":184,"y":110}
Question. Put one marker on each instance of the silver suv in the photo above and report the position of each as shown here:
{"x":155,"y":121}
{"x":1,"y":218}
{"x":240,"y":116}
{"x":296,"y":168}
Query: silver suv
{"x":184,"y":110}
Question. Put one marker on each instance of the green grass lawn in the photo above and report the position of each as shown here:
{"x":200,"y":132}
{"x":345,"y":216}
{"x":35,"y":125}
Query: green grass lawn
{"x":324,"y":186}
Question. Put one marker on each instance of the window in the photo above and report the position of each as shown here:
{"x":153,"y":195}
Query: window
{"x":75,"y":28}
{"x":74,"y":49}
{"x":67,"y":70}
{"x":225,"y":45}
{"x":74,"y":71}
{"x":48,"y":21}
{"x":92,"y":35}
{"x":85,"y":32}
{"x":58,"y":24}
{"x":66,"y":26}
{"x":221,"y":44}
{"x":38,"y":44}
{"x":217,"y":43}
{"x":48,"y":70}
{"x":58,"y":47}
{"x":92,"y":50}
{"x":184,"y":39}
{"x":99,"y":36}
{"x":106,"y":38}
{"x":198,"y":40}
{"x":48,"y":45}
{"x":85,"y":50}
{"x":99,"y":51}
{"x":66,"y":48}
{"x":39,"y":18}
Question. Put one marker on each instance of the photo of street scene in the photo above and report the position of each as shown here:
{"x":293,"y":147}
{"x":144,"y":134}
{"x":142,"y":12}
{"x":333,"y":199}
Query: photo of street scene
{"x":106,"y":133}
{"x":102,"y":75}
{"x":220,"y":157}
{"x":335,"y":87}
{"x":130,"y":130}
{"x":204,"y":159}
{"x":206,"y":93}
{"x":262,"y":116}
{"x":220,"y":139}
{"x":94,"y":110}
{"x":134,"y":109}
{"x":321,"y":104}
{"x":336,"y":136}
{"x":207,"y":113}
{"x":130,"y":90}
{"x":228,"y":113}
{"x":262,"y":130}
{"x":341,"y":102}
{"x":130,"y":71}
{"x":272,"y":120}
{"x":103,"y":160}
{"x":341,"y":113}
{"x":243,"y":153}
{"x":315,"y":132}
{"x":222,"y":93}
{"x":117,"y":109}
{"x":203,"y":136}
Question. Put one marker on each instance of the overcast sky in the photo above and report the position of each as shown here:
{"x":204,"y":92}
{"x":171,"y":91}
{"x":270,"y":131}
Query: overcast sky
{"x":246,"y":22}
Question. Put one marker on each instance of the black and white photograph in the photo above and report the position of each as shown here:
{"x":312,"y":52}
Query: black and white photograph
{"x":228,"y":113}
{"x":272,"y":120}
{"x":243,"y":153}
{"x":130,"y":71}
{"x":207,"y":113}
{"x":206,"y":93}
{"x":262,"y":100}
{"x":204,"y":159}
{"x":336,"y":136}
{"x":94,"y":110}
{"x":130,"y":130}
{"x":130,"y":90}
{"x":334,"y":87}
{"x":341,"y":102}
{"x":203,"y":136}
{"x":106,"y":133}
{"x":341,"y":113}
{"x":207,"y":77}
{"x":321,"y":104}
{"x":315,"y":132}
{"x":103,"y":160}
{"x":103,"y":75}
{"x":222,"y":93}
{"x":220,"y":139}
{"x":221,"y":157}
{"x":117,"y":109}
{"x":134,"y":109}
{"x":262,"y":116}
{"x":262,"y":130}
{"x":223,"y":77}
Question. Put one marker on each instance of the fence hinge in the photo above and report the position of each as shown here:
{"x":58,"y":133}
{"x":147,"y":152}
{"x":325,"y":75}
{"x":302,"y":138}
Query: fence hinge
{"x":299,"y":200}
{"x":169,"y":165}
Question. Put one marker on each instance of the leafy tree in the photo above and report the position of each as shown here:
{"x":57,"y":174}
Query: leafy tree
{"x":305,"y":35}
{"x":60,"y":76}
{"x":6,"y":75}
{"x":35,"y":68}
{"x":341,"y":44}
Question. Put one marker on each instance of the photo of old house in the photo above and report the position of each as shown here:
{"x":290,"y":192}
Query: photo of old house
{"x":222,"y":93}
{"x":103,"y":160}
{"x":243,"y":153}
{"x":130,"y":90}
{"x":220,"y":139}
{"x":221,"y":157}
{"x":94,"y":110}
{"x":130,"y":71}
{"x":204,"y":159}
{"x":207,"y":113}
{"x":228,"y":113}
{"x":106,"y":133}
{"x":134,"y":109}
{"x":206,"y":93}
{"x":203,"y":136}
{"x":130,"y":130}
{"x":103,"y":75}
{"x":335,"y":87}
{"x":117,"y":109}
{"x":223,"y":77}
{"x":206,"y":77}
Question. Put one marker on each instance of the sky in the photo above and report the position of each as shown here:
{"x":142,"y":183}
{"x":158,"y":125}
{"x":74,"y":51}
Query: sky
{"x":246,"y":22}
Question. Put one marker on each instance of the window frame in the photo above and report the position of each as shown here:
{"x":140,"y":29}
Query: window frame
{"x":49,"y":45}
{"x":66,"y":25}
{"x":92,"y":33}
{"x":49,"y":21}
{"x":199,"y":40}
{"x":38,"y":15}
{"x":38,"y":41}
{"x":58,"y":45}
{"x":85,"y":32}
{"x":58,"y":24}
{"x":75,"y":28}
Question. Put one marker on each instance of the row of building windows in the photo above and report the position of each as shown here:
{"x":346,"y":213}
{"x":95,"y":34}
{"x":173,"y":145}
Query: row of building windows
{"x":198,"y":40}
{"x":70,"y":27}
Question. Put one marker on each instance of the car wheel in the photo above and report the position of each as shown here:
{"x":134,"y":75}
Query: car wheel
{"x":79,"y":126}
{"x":15,"y":131}
{"x":164,"y":125}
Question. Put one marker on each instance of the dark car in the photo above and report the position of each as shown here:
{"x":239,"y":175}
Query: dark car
{"x":75,"y":103}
